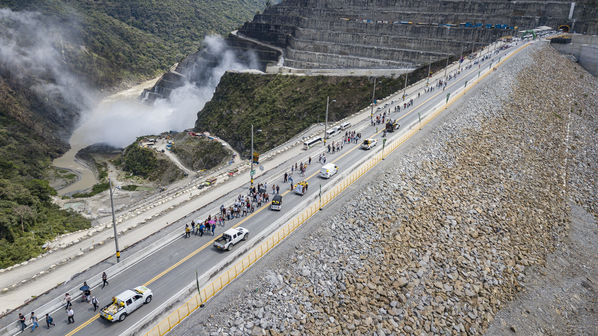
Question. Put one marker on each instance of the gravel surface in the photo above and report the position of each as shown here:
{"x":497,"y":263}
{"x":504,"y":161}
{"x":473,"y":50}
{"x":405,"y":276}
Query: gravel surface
{"x":452,"y":230}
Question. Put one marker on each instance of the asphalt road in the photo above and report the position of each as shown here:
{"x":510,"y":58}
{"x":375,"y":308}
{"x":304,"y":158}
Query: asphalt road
{"x":171,"y":268}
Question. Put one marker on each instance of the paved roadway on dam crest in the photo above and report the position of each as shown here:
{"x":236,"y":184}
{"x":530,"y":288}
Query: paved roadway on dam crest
{"x":171,"y":268}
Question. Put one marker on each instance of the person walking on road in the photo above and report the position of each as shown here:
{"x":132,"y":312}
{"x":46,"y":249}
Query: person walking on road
{"x":94,"y":302}
{"x":33,"y":320}
{"x":71,"y":315}
{"x":68,"y":299}
{"x":49,"y":321}
{"x":213,"y":228}
{"x":22,"y":320}
{"x":187,"y":231}
{"x":104,"y":280}
{"x":86,"y":292}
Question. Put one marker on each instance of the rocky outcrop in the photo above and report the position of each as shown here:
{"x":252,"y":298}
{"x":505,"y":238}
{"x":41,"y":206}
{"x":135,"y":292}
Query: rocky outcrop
{"x":448,"y":233}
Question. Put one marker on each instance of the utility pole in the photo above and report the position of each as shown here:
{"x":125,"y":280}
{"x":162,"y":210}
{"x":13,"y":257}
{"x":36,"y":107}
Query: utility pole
{"x":405,"y":88}
{"x":326,"y":120}
{"x":251,"y":158}
{"x":429,"y":66}
{"x":461,"y":57}
{"x":114,"y":222}
{"x":373,"y":97}
{"x":446,"y":67}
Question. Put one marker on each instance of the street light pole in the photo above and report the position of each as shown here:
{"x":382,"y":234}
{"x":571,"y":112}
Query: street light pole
{"x":251,"y":158}
{"x":461,"y":57}
{"x":373,"y":97}
{"x":405,"y":88}
{"x":114,"y":222}
{"x":446,"y":67}
{"x":326,"y":119}
{"x":429,"y":66}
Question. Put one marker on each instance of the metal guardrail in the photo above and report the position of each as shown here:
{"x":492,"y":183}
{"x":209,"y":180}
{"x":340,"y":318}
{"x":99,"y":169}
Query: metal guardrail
{"x":208,"y":291}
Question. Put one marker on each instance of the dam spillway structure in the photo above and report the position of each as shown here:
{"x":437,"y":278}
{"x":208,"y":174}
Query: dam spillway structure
{"x":303,"y":36}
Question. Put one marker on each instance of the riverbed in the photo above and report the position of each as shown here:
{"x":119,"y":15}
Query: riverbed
{"x":86,"y":178}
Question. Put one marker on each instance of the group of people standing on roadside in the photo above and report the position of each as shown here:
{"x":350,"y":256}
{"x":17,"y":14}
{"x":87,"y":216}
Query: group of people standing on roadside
{"x":201,"y":228}
{"x":242,"y":206}
{"x":352,"y":137}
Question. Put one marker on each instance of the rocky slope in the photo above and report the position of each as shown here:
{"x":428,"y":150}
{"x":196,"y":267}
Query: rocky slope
{"x":446,"y":236}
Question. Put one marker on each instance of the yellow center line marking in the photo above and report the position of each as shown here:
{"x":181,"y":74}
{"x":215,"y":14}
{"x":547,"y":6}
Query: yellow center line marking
{"x":83,"y":325}
{"x":190,"y":255}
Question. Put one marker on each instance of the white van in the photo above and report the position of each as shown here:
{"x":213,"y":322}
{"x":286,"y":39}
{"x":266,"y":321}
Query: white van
{"x":345,"y":125}
{"x":310,"y":143}
{"x":328,"y":170}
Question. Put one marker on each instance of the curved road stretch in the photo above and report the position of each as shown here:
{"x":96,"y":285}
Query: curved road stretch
{"x":171,"y":268}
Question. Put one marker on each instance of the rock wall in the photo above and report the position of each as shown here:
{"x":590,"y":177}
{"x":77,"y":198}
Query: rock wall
{"x":369,"y":34}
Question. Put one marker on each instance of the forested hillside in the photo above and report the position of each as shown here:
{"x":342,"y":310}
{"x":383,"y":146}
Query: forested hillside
{"x":282,"y":106}
{"x":28,"y":218}
{"x":104,"y":44}
{"x":116,"y":41}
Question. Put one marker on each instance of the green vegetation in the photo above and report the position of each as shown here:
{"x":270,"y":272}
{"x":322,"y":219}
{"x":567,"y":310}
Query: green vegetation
{"x":199,"y":153}
{"x":282,"y":106}
{"x":96,"y":189}
{"x":108,"y":43}
{"x":150,"y":165}
{"x":121,"y":41}
{"x":130,"y":187}
{"x":102,"y":168}
{"x":28,"y":218}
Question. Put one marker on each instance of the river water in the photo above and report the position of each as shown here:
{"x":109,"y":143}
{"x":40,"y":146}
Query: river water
{"x":79,"y":141}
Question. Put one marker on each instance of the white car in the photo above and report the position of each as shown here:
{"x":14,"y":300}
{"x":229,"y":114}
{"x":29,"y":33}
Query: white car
{"x":328,"y":170}
{"x":369,"y":143}
{"x":125,"y":303}
{"x":230,"y":238}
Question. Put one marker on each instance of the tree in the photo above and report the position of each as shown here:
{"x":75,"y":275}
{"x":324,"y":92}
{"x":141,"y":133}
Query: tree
{"x":23,"y":211}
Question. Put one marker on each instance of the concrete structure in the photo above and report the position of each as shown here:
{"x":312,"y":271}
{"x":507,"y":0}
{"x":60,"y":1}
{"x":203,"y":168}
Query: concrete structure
{"x":311,"y":37}
{"x":399,"y":33}
{"x":584,"y":48}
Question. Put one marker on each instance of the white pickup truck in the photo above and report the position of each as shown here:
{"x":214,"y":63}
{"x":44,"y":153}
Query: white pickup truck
{"x":125,"y":303}
{"x":230,"y":238}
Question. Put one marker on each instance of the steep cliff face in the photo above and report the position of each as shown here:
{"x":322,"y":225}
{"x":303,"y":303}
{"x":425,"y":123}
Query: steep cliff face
{"x":394,"y":33}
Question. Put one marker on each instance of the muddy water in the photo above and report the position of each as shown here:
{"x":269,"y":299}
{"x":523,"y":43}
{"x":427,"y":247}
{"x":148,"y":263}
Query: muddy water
{"x":77,"y":142}
{"x":86,"y":177}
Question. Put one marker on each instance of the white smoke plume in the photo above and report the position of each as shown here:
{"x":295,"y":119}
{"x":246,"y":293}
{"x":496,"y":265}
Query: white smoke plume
{"x":119,"y":123}
{"x":32,"y":51}
{"x":32,"y":46}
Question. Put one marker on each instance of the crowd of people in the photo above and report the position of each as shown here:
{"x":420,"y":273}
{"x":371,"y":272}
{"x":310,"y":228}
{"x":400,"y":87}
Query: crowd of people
{"x":86,"y":297}
{"x":257,"y":196}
